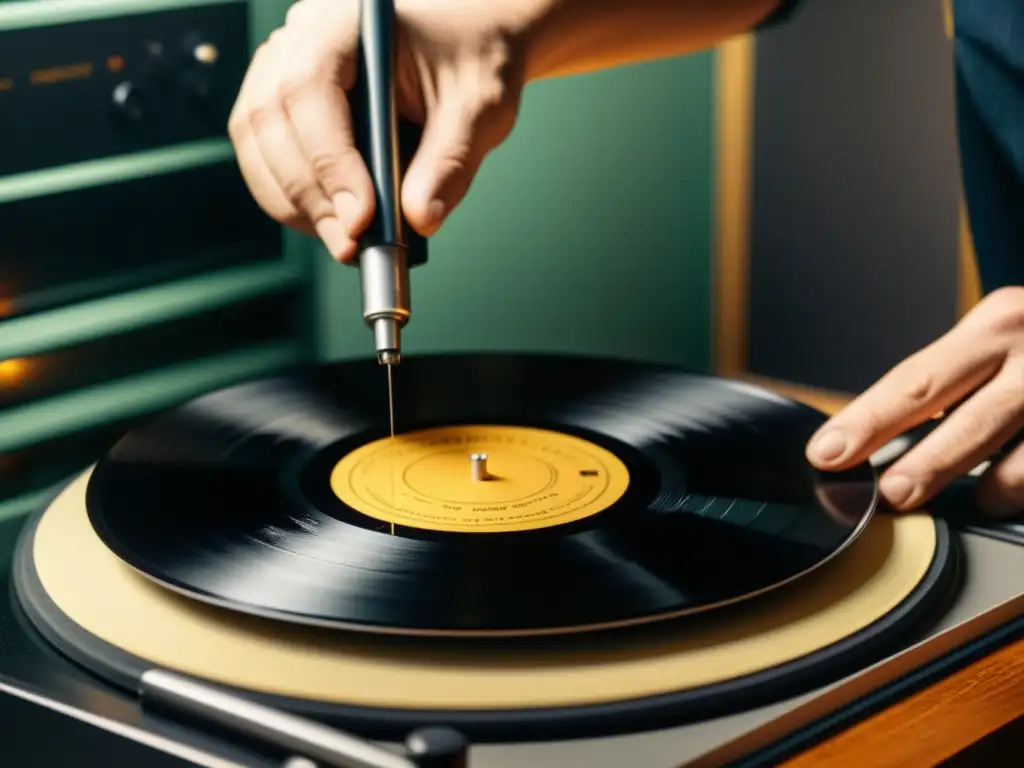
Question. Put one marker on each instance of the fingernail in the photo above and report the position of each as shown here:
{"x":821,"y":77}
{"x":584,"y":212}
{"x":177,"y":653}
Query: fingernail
{"x":435,"y":214}
{"x":897,"y":489}
{"x":827,"y":448}
{"x":335,"y":238}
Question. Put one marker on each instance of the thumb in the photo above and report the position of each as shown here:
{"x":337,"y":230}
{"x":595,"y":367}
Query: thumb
{"x":454,"y":143}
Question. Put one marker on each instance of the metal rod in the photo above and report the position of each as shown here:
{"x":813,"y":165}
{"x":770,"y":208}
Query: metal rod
{"x":162,"y":689}
{"x":383,"y":262}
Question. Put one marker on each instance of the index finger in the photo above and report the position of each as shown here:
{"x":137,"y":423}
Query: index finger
{"x":318,"y":110}
{"x":917,"y":389}
{"x":257,"y":176}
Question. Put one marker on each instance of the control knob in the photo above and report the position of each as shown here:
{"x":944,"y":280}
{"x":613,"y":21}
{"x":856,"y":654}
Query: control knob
{"x":201,"y":59}
{"x":127,"y":101}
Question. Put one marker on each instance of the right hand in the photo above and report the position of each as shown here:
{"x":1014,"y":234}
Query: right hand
{"x":460,"y":74}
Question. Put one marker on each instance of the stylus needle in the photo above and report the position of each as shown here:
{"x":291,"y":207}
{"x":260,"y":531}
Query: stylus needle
{"x":391,"y":403}
{"x":391,"y":421}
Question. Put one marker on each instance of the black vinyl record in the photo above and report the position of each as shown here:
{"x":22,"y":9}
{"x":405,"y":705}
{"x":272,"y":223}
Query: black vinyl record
{"x":229,"y":498}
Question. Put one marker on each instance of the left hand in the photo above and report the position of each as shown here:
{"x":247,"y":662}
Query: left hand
{"x":978,"y":367}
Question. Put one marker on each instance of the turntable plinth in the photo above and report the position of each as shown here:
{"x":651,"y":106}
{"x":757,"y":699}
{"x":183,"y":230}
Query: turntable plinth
{"x":936,"y":724}
{"x":294,"y":471}
{"x":956,"y":712}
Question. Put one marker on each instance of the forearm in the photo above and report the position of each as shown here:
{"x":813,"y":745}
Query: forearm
{"x":566,"y":37}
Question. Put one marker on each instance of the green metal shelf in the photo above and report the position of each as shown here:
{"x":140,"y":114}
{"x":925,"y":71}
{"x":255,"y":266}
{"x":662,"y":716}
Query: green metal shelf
{"x":23,"y":505}
{"x":23,"y":15}
{"x":109,"y":170}
{"x":133,"y":396}
{"x":80,"y":323}
{"x":114,"y":401}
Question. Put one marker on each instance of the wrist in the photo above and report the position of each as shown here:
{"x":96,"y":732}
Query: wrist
{"x":565,"y":37}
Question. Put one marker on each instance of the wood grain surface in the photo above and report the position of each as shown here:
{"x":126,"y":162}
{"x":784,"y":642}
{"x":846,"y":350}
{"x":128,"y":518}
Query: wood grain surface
{"x":937,"y":722}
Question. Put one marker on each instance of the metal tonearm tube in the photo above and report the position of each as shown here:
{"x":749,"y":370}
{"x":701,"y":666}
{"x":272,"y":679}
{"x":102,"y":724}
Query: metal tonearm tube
{"x":307,"y":742}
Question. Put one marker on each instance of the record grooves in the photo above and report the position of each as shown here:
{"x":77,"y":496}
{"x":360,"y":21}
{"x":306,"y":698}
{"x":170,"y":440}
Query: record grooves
{"x":624,"y":493}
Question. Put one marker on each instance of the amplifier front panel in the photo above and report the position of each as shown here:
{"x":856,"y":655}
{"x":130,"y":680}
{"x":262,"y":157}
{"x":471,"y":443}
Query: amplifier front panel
{"x":105,"y":87}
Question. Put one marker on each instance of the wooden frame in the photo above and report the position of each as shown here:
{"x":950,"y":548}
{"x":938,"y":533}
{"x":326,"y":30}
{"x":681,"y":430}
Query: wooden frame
{"x":734,"y":119}
{"x":968,"y":283}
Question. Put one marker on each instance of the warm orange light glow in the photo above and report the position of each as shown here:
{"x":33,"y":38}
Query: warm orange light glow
{"x":13,"y":371}
{"x":61,"y":74}
{"x":115,"y":63}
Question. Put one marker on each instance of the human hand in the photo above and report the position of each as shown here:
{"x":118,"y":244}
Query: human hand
{"x":459,"y":72}
{"x":978,"y":368}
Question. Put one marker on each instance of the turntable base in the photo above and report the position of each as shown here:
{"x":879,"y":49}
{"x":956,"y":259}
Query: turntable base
{"x":991,"y":595}
{"x":81,"y":643}
{"x":864,"y":584}
{"x":158,"y":628}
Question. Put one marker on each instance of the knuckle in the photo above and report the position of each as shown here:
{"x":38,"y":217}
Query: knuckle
{"x":303,"y":79}
{"x":294,"y":88}
{"x":296,"y":188}
{"x":335,"y":170}
{"x":917,"y":385}
{"x":259,"y":115}
{"x":1009,"y":476}
{"x":325,"y":166}
{"x":306,"y":196}
{"x":1002,"y":311}
{"x":238,"y":126}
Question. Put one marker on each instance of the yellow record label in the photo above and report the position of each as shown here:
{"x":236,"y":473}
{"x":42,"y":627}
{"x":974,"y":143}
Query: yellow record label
{"x":480,"y":479}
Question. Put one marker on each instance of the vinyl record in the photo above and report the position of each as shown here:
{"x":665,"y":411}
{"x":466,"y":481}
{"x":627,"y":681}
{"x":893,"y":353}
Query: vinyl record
{"x":612,"y":494}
